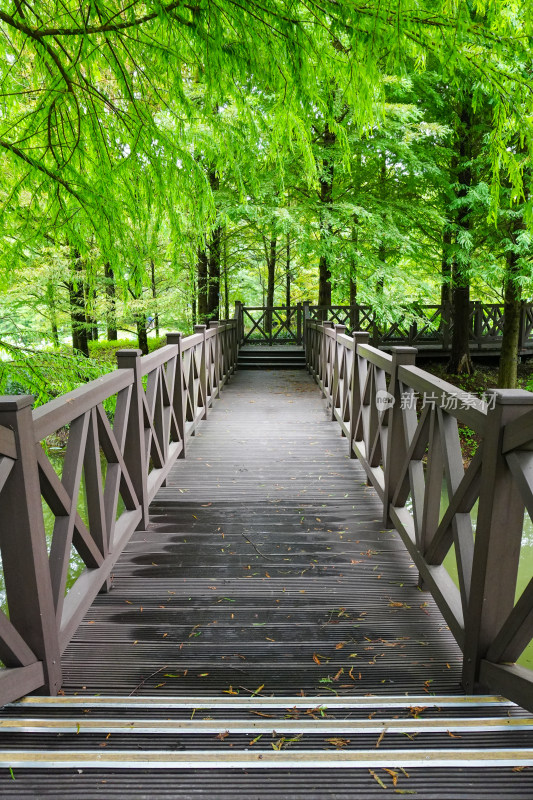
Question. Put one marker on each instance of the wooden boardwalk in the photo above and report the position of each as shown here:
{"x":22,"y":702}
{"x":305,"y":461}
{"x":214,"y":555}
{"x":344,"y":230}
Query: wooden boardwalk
{"x":265,"y":575}
{"x":265,"y":567}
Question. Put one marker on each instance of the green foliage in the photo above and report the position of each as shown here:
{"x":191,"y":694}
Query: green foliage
{"x":105,"y":352}
{"x":45,"y":375}
{"x":304,"y":134}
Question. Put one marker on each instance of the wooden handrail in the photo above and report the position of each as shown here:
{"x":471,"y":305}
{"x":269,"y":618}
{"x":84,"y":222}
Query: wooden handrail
{"x":156,"y":402}
{"x":425,"y":326}
{"x":402,"y":424}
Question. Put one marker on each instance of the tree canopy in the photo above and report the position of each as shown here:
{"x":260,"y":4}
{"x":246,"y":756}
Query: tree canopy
{"x":164,"y":159}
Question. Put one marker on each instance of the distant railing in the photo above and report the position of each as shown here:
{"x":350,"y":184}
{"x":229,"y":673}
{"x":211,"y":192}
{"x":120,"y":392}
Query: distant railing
{"x":402,"y":424}
{"x":124,"y":431}
{"x":270,"y":324}
{"x":428,"y":327}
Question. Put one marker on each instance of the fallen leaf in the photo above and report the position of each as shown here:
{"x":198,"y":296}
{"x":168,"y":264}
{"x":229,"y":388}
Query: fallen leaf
{"x":338,"y":742}
{"x":378,"y":779}
{"x":222,"y":735}
{"x":380,"y":739}
{"x":393,"y":774}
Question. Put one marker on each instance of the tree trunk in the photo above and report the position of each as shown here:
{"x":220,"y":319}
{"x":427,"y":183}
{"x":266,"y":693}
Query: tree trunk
{"x":326,"y":199}
{"x":270,"y":253}
{"x":91,"y":323}
{"x":214,"y":273}
{"x":288,"y":276}
{"x":226,"y":278}
{"x":142,"y":335}
{"x":507,"y":373}
{"x":446,"y":283}
{"x":382,"y":257}
{"x":111,"y":294}
{"x":460,"y":361}
{"x":193,"y":296}
{"x":77,"y":308}
{"x":382,"y":249}
{"x":154,"y":296}
{"x":213,"y":292}
{"x":50,"y":300}
{"x":354,"y":311}
{"x":202,"y":286}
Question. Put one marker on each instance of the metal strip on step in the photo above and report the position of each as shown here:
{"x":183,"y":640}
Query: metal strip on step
{"x":310,"y":759}
{"x":206,"y":703}
{"x":277,"y":726}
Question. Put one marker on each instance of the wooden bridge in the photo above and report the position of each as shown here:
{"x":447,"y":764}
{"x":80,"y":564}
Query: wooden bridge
{"x":264,"y":607}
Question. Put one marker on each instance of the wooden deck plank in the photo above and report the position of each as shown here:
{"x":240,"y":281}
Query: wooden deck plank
{"x":265,"y":563}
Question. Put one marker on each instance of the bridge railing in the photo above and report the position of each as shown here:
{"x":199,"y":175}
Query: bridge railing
{"x":271,"y":324}
{"x":402,"y":423}
{"x":427,"y":326}
{"x":123,"y":433}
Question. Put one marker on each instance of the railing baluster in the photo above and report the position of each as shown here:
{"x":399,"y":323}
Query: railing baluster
{"x":498,"y":537}
{"x":339,"y":329}
{"x":359,"y":337}
{"x":396,"y":444}
{"x":202,"y":371}
{"x":135,"y":456}
{"x":178,"y":398}
{"x":24,"y":555}
{"x":215,"y":366}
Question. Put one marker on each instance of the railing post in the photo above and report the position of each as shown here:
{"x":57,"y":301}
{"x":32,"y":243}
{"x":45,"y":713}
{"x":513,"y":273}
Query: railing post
{"x":298,"y":323}
{"x":214,"y":323}
{"x":323,"y":369}
{"x":178,"y":400}
{"x":23,"y":546}
{"x":396,"y":444}
{"x":203,"y":375}
{"x":339,"y":329}
{"x":357,"y":386}
{"x":498,"y":537}
{"x":135,"y":455}
{"x":239,"y":316}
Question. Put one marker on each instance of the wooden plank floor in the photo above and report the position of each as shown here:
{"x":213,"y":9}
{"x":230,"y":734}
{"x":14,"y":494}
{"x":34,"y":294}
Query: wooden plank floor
{"x":265,"y":564}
